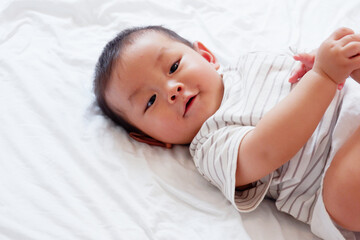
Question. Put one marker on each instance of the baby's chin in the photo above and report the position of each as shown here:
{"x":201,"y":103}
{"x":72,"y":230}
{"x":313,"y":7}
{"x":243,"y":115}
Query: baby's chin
{"x":178,"y":138}
{"x":178,"y":141}
{"x":186,"y":139}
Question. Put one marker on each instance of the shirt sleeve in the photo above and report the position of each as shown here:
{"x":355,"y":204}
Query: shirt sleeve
{"x":215,"y":157}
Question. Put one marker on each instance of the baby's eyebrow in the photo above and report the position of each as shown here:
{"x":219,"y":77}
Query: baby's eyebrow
{"x":160,"y":54}
{"x":133,"y":94}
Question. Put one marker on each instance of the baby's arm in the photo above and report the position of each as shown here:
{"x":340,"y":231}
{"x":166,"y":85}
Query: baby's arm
{"x":282,"y":132}
{"x":307,"y":61}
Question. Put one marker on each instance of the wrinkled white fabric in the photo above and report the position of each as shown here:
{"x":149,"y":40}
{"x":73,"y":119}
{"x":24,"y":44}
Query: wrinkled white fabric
{"x":66,"y":172}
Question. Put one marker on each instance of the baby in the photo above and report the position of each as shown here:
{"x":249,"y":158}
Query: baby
{"x":251,"y":132}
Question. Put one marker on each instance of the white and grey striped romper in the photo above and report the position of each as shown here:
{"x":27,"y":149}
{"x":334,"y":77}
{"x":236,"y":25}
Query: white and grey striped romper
{"x":252,"y":87}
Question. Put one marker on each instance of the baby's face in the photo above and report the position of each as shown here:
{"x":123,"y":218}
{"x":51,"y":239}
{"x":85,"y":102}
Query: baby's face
{"x":165,"y":88}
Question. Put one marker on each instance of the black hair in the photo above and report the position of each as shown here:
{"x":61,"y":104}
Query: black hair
{"x":112,"y":53}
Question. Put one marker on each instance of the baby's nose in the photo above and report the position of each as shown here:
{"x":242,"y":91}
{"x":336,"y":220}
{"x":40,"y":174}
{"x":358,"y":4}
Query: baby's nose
{"x":174,"y":91}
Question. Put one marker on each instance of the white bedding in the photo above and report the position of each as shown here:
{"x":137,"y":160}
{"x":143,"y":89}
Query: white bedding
{"x":66,"y":172}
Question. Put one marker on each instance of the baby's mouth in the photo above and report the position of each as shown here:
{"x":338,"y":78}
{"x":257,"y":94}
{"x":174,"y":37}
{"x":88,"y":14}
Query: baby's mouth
{"x":189,"y":103}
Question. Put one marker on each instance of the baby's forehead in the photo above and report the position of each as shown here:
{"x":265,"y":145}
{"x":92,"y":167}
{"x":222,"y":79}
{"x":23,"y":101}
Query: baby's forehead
{"x":140,"y":50}
{"x":153,"y":37}
{"x":146,"y":49}
{"x":143,"y":45}
{"x":148,"y":45}
{"x":142,"y":41}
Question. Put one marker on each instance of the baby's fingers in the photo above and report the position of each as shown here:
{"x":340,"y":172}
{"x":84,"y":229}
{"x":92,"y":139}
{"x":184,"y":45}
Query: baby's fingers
{"x":340,"y":86}
{"x":294,"y":77}
{"x":306,"y":58}
{"x":352,"y":49}
{"x":341,"y":32}
{"x":297,"y":73}
{"x":349,"y":39}
{"x":355,"y":62}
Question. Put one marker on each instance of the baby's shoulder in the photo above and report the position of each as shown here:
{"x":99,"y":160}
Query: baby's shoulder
{"x":257,"y":60}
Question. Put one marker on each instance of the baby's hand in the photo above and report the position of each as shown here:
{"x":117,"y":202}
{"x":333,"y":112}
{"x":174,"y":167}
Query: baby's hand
{"x":306,"y":64}
{"x":356,"y":75}
{"x":338,"y":55}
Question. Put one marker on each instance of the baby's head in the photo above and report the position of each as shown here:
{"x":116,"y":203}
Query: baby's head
{"x":155,"y":83}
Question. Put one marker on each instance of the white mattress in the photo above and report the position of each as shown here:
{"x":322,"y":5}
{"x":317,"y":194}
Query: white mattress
{"x":66,"y":172}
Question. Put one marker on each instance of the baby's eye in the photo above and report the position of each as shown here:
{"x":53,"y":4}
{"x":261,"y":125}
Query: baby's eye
{"x":150,"y":102}
{"x":174,"y":67}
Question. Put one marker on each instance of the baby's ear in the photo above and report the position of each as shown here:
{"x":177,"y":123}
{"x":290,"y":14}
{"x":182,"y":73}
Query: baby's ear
{"x":206,"y":53}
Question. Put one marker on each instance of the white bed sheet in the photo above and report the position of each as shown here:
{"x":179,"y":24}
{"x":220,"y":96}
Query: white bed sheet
{"x":66,"y":172}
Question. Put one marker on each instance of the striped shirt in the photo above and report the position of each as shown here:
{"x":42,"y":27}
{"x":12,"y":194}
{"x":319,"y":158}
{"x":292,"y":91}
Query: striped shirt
{"x":255,"y":84}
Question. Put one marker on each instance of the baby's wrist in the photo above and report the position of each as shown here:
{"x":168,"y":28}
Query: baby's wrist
{"x":321,"y":75}
{"x":325,"y":76}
